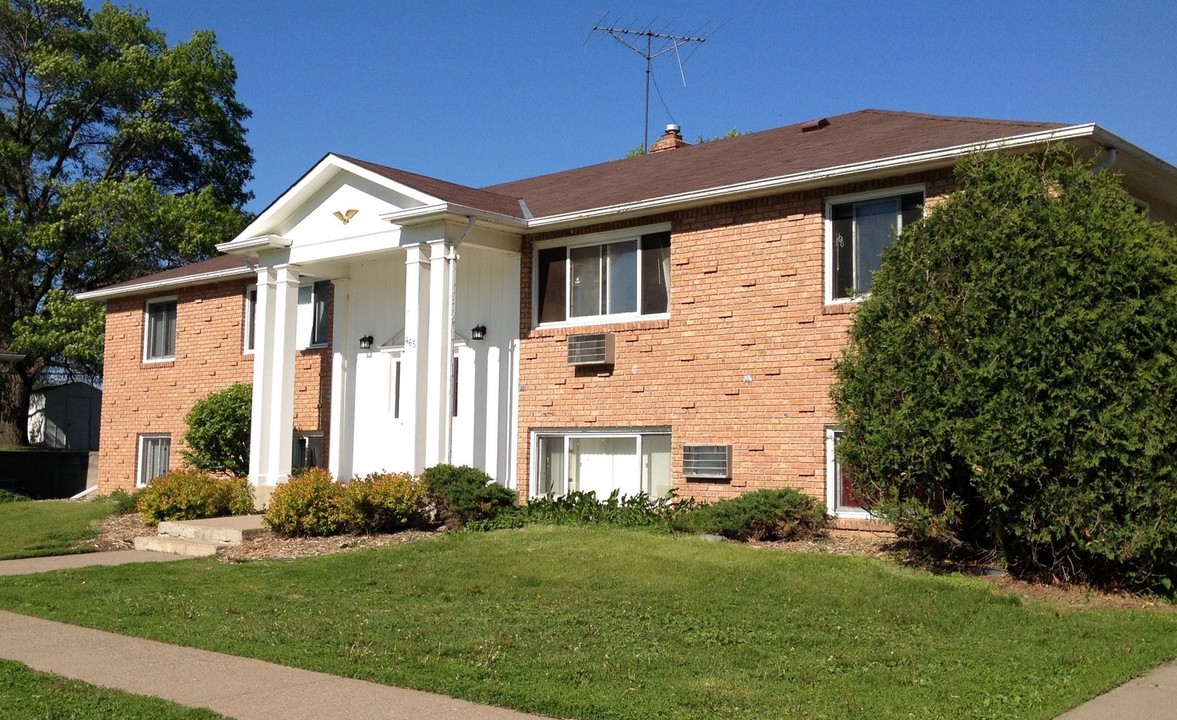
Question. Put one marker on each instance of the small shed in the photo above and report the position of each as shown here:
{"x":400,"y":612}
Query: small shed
{"x":65,"y":416}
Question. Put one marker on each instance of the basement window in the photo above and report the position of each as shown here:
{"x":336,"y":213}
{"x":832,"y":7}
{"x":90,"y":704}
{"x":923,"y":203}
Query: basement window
{"x":842,"y":499}
{"x":626,"y":462}
{"x":155,"y":451}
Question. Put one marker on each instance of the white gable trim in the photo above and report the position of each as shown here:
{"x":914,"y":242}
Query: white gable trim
{"x":314,"y":180}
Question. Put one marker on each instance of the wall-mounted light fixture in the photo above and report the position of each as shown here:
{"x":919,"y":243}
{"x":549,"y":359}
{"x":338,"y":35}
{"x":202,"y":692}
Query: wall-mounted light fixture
{"x":478,"y":332}
{"x":366,"y":342}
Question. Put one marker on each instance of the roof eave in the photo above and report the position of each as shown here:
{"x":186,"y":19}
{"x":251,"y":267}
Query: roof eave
{"x":436,"y":212}
{"x":253,"y":245}
{"x":169,"y":283}
{"x":926,"y":160}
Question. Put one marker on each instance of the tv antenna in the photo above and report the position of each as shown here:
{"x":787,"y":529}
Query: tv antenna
{"x":657,"y":44}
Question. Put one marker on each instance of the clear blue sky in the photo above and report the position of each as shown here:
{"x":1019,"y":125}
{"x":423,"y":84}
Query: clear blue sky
{"x":483,"y":92}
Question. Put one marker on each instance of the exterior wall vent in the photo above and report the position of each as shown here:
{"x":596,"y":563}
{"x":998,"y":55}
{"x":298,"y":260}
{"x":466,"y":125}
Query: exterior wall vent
{"x":707,"y":462}
{"x":595,"y":349}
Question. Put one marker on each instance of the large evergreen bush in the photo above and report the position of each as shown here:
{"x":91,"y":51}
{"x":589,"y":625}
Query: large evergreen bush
{"x":1011,"y":382}
{"x":217,"y":439}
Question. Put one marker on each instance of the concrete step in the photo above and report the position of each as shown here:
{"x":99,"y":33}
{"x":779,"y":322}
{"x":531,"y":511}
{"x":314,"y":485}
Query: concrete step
{"x":178,"y":546}
{"x":223,"y":531}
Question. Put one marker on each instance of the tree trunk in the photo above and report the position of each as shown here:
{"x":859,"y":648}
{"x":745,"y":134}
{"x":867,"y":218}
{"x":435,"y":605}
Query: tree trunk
{"x":15,"y":392}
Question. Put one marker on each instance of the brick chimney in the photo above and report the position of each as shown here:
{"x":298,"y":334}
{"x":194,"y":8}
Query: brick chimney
{"x":671,"y":140}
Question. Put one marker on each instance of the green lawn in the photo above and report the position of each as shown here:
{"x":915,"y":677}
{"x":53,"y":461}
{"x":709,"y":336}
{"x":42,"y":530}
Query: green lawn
{"x":51,"y":527}
{"x":597,"y":623}
{"x":25,"y":694}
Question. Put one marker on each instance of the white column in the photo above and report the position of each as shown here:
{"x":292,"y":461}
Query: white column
{"x":273,"y":375}
{"x":263,"y":326}
{"x":439,"y":413}
{"x":414,"y":359}
{"x":343,"y":384}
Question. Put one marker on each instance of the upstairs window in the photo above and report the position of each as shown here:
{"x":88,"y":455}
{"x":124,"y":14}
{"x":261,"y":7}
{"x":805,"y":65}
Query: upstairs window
{"x":159,"y":335}
{"x":860,"y":229}
{"x":313,"y":319}
{"x":250,"y":317}
{"x":619,"y":279}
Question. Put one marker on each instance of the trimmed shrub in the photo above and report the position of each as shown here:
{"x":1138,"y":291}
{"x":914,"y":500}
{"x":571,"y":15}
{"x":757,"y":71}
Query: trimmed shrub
{"x":217,"y":440}
{"x":1010,"y":382}
{"x":760,"y":515}
{"x":462,"y":494}
{"x":387,"y":502}
{"x":191,"y":495}
{"x":310,"y":503}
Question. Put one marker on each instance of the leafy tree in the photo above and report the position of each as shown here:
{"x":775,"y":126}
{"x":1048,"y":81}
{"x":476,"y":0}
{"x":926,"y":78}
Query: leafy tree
{"x":1011,"y":382}
{"x":217,"y":439}
{"x":119,"y":156}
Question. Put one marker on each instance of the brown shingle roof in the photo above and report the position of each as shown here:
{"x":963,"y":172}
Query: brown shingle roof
{"x":856,"y":137}
{"x":448,"y":191}
{"x":848,"y":139}
{"x":220,"y":263}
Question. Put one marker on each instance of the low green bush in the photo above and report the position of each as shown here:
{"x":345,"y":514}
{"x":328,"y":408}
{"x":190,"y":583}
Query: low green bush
{"x":583,"y":508}
{"x":387,"y":502}
{"x":124,"y":502}
{"x":760,"y":515}
{"x":7,"y":497}
{"x":462,"y":494}
{"x":191,"y":494}
{"x":310,"y":503}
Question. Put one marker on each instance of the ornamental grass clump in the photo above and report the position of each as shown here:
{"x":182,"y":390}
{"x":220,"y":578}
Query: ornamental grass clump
{"x":191,"y":495}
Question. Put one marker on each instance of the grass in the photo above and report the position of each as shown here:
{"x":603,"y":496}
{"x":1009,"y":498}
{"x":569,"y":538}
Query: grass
{"x":25,"y":693}
{"x":51,"y":527}
{"x":585,"y":622}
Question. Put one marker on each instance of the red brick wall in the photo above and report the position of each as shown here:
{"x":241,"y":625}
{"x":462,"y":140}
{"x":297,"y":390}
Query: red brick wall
{"x":745,"y":359}
{"x":141,"y":397}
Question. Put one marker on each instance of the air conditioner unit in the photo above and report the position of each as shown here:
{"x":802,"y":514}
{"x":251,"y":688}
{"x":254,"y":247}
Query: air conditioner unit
{"x":707,"y":462}
{"x":595,"y":349}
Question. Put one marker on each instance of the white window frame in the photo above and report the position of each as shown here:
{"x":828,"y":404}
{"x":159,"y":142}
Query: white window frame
{"x":147,"y":336}
{"x":895,"y":192}
{"x":604,"y":238}
{"x":569,"y":434}
{"x":140,"y":467}
{"x":250,"y":321}
{"x":833,"y":476}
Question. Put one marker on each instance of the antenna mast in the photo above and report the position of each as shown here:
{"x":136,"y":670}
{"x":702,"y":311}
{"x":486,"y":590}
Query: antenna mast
{"x":666,"y":43}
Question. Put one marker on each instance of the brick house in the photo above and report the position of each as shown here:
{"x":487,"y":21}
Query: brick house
{"x":667,"y":321}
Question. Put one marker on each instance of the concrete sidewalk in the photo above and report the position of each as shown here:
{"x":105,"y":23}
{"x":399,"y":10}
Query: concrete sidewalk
{"x":1152,"y":697}
{"x":238,"y":687}
{"x":28,"y":566}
